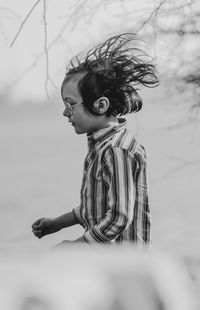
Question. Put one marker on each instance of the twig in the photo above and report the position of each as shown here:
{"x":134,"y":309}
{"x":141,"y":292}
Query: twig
{"x":45,"y":48}
{"x":153,"y":13}
{"x":50,"y":45}
{"x":23,"y":23}
{"x":154,"y":23}
{"x":27,"y":70}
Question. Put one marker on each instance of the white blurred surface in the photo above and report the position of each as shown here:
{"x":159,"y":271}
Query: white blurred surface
{"x":92,"y":278}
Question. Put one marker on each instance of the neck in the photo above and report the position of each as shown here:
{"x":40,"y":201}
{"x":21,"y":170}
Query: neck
{"x":110,"y":122}
{"x":105,"y":123}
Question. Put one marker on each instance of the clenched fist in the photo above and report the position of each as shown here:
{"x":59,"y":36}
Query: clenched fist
{"x":44,"y":226}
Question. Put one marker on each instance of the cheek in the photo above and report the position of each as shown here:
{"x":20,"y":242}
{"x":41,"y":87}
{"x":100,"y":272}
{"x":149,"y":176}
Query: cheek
{"x":82,"y":117}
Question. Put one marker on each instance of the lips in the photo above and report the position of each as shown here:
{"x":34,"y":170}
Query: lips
{"x":72,"y":124}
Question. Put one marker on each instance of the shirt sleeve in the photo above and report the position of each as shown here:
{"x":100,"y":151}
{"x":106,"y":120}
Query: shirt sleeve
{"x":76,"y":212}
{"x":142,"y":214}
{"x":118,"y":165}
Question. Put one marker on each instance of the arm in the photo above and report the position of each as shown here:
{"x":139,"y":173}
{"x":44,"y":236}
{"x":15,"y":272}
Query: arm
{"x":45,"y":226}
{"x":66,"y":220}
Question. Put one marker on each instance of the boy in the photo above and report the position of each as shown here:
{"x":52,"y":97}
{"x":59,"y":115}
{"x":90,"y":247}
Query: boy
{"x":98,"y":88}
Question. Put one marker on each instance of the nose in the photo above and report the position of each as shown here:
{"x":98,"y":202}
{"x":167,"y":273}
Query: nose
{"x":66,"y":113}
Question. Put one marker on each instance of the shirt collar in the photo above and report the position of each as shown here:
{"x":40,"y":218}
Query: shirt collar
{"x":102,"y":134}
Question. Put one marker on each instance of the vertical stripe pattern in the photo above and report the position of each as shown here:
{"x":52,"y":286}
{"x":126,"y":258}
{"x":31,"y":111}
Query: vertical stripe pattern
{"x":114,"y":197}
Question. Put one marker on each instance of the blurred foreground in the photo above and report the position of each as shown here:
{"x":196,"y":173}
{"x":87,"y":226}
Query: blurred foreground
{"x":92,"y":278}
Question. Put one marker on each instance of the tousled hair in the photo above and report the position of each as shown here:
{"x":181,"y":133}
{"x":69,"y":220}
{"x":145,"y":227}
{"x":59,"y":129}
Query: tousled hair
{"x":113,"y":69}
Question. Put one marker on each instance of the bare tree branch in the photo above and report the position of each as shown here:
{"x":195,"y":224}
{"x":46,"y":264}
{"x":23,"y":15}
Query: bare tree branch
{"x":10,"y":15}
{"x":152,"y":14}
{"x":23,"y":23}
{"x":27,"y":70}
{"x":45,"y":48}
{"x":48,"y":47}
{"x":179,"y":17}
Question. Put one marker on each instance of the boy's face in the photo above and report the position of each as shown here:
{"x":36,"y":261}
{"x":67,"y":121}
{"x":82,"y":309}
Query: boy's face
{"x":81,"y":119}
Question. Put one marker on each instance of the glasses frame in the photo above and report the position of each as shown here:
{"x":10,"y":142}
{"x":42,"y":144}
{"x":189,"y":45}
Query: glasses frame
{"x":70,"y":108}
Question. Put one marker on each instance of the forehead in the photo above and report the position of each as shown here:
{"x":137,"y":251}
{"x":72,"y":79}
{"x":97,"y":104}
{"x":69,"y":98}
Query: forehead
{"x":70,"y":87}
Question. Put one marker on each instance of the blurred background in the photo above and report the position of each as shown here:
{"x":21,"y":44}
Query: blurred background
{"x":41,"y":156}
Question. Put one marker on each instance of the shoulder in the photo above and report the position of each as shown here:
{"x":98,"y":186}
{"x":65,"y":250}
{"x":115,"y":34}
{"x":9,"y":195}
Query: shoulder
{"x":125,"y":142}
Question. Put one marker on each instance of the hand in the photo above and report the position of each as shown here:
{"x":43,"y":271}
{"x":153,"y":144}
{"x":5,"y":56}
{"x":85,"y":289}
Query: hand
{"x":44,"y":226}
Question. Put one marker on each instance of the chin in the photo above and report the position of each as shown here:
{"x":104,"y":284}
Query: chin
{"x":79,"y":131}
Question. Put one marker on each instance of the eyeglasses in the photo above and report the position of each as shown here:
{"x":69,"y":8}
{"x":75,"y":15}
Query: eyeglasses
{"x":70,"y":108}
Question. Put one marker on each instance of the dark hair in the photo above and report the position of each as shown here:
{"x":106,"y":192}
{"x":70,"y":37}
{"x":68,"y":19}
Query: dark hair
{"x":113,"y":69}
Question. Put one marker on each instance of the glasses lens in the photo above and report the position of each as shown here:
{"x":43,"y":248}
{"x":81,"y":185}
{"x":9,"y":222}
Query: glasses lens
{"x":68,"y":109}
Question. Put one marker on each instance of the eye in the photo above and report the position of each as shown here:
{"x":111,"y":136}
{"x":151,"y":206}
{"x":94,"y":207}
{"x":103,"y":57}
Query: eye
{"x":69,"y":103}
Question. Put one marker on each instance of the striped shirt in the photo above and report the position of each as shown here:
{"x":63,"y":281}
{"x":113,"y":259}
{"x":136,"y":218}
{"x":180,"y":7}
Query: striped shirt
{"x":114,"y":199}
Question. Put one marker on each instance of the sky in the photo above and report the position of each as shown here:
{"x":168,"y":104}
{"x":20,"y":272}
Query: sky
{"x":83,"y":29}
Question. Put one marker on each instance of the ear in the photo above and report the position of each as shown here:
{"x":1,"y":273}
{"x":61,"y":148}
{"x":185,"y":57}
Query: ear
{"x":101,"y":105}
